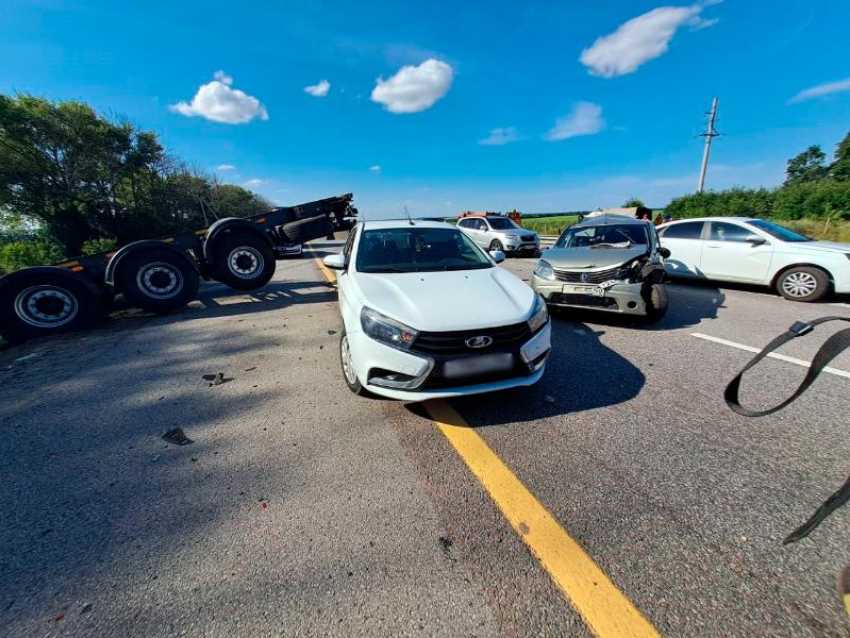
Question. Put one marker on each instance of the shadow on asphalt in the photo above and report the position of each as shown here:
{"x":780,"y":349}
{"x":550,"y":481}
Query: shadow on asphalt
{"x":582,"y":374}
{"x":687,"y":307}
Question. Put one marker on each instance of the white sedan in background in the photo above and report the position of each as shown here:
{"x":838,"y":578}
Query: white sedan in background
{"x":428,"y":314}
{"x":756,"y":251}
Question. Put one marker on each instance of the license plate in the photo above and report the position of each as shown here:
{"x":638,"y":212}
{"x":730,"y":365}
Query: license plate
{"x":584,"y":290}
{"x":599,"y":291}
{"x":499,"y":362}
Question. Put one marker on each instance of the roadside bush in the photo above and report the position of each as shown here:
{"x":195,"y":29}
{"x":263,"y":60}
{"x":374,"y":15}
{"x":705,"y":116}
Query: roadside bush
{"x":24,"y":253}
{"x":99,"y":245}
{"x":736,"y":202}
{"x":825,"y":199}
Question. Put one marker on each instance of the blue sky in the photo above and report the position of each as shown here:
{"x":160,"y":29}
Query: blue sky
{"x":592,"y":102}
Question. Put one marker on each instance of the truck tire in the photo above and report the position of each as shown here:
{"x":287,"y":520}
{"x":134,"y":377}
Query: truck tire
{"x":304,"y":230}
{"x":243,"y":261}
{"x":803,"y":283}
{"x":45,"y":304}
{"x":157,"y":280}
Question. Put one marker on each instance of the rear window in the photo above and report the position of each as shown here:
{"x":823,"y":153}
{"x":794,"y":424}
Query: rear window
{"x":685,"y":230}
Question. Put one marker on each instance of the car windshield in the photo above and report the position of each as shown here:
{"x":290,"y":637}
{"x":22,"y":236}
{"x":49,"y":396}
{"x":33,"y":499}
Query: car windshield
{"x":780,"y":232}
{"x":606,"y":236}
{"x":501,"y":223}
{"x":412,"y":249}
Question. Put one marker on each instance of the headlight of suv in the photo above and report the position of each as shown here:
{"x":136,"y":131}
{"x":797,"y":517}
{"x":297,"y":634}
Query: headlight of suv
{"x":389,"y":331}
{"x":539,"y":314}
{"x":544,"y":271}
{"x":512,"y":237}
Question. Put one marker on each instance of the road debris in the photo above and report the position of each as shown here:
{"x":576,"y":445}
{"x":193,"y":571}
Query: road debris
{"x":331,"y":332}
{"x":177,"y":437}
{"x":27,"y":357}
{"x":86,"y":608}
{"x":216,"y":379}
{"x":549,"y":399}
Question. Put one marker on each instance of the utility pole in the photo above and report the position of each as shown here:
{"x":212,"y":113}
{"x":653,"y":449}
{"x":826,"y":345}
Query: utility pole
{"x":708,"y":135}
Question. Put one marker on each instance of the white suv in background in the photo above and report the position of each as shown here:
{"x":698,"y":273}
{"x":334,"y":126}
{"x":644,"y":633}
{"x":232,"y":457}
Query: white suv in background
{"x":428,"y":314}
{"x":756,"y":251}
{"x":495,"y":232}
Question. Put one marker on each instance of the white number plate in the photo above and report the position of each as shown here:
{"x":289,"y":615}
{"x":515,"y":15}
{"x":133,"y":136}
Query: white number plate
{"x":497,"y":362}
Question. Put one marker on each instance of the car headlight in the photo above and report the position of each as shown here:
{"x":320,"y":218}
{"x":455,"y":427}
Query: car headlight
{"x":544,"y":271}
{"x":539,"y":314}
{"x":386,"y":330}
{"x":513,"y":237}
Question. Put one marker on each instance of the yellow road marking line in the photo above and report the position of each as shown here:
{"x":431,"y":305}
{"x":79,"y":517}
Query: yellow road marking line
{"x":605,"y":609}
{"x":325,"y":270}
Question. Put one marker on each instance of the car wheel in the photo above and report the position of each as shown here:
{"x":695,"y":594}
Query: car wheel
{"x":496,"y":245}
{"x":803,"y":283}
{"x":657,"y":304}
{"x":348,"y":371}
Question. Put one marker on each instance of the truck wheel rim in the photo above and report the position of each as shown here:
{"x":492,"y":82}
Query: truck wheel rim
{"x":347,"y":364}
{"x":159,"y":280}
{"x":46,"y":306}
{"x":799,"y":284}
{"x":245,"y":262}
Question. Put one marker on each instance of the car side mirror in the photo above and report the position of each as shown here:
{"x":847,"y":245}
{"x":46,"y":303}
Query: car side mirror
{"x":664,"y":252}
{"x":498,"y":256}
{"x":335,"y":262}
{"x":755,"y":240}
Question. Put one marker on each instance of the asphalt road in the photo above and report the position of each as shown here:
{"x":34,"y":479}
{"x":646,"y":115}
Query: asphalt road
{"x":301,"y":509}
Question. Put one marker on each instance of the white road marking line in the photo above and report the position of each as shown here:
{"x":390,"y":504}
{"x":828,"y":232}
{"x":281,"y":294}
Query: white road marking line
{"x":840,"y":305}
{"x":772,"y":355}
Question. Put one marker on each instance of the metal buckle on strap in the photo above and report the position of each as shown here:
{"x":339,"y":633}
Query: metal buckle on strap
{"x":800,"y":328}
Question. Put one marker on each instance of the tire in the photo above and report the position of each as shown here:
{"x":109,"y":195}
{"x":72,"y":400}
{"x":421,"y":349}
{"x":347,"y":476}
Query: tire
{"x":496,"y":245}
{"x":304,"y":230}
{"x":157,"y":280}
{"x":243,"y":261}
{"x":657,"y":304}
{"x":803,"y":283}
{"x":348,"y":372}
{"x":44,"y":304}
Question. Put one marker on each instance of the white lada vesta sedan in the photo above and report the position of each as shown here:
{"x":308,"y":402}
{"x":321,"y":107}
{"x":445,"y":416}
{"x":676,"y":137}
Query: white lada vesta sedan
{"x":428,"y":314}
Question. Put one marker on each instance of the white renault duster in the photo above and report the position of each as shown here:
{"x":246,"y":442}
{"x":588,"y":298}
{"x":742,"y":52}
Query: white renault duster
{"x":428,"y":314}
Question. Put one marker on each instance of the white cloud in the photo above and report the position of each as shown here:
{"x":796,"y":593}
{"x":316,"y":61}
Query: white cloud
{"x":641,"y":39}
{"x":219,"y":102}
{"x":225,"y":167}
{"x":318,"y":90}
{"x":821,"y":90}
{"x":255,"y":182}
{"x":375,"y":168}
{"x":585,"y":118}
{"x":414,"y":88}
{"x":500,"y":136}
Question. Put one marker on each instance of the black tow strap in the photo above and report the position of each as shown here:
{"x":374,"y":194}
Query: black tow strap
{"x":831,"y":348}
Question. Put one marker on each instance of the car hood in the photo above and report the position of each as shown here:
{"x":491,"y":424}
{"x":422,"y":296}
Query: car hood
{"x":590,"y":258}
{"x":828,"y":246}
{"x":446,"y":301}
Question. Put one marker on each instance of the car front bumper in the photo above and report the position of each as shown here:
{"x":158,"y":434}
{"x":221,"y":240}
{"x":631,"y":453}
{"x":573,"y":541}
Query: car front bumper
{"x":625,"y":299}
{"x":518,"y":246}
{"x":424,"y":377}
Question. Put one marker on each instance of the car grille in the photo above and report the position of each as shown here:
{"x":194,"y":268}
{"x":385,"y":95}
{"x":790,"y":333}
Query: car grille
{"x":527,"y":237}
{"x":582,"y":300}
{"x":596,"y":277}
{"x":449,"y":343}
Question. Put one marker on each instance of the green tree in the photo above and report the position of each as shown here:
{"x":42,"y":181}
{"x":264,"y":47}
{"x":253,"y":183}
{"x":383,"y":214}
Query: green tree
{"x":82,"y":178}
{"x":808,"y":166}
{"x":633,"y":202}
{"x":840,"y":168}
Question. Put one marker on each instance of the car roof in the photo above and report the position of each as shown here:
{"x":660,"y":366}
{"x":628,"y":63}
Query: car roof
{"x":711,"y":219}
{"x":382,"y":224}
{"x":604,"y":220}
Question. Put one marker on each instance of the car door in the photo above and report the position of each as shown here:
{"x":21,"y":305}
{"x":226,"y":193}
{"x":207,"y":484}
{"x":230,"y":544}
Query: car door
{"x":467,"y":226}
{"x":477,"y":228}
{"x":734,"y":252}
{"x":684,"y":241}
